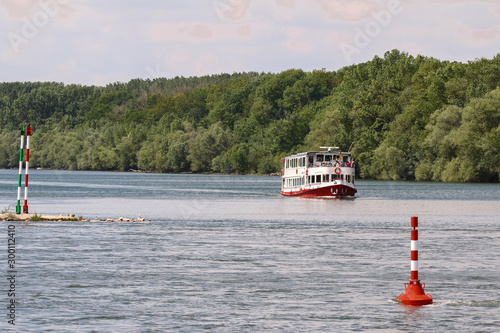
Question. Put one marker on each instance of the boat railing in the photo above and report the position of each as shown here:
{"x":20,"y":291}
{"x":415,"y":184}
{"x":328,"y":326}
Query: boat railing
{"x":330,"y":164}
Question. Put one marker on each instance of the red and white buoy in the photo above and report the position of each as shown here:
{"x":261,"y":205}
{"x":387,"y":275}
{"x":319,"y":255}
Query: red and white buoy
{"x":414,"y":293}
{"x":28,"y":135}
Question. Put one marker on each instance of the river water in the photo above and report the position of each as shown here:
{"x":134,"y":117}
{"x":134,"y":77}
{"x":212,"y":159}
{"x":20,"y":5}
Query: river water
{"x":229,"y":254}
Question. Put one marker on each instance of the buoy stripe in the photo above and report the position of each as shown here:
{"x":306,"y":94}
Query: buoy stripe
{"x":414,"y":255}
{"x":414,"y":265}
{"x":414,"y":235}
{"x":18,"y":207}
{"x":414,"y":245}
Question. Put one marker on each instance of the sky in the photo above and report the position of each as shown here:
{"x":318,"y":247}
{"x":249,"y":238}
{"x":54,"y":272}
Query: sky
{"x":96,"y":42}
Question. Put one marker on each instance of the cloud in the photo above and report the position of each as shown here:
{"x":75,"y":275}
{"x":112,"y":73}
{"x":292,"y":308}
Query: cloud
{"x":18,"y":8}
{"x":349,"y":11}
{"x":201,"y":32}
{"x":35,"y":9}
{"x":231,"y":10}
{"x":490,"y":36}
{"x":299,"y":40}
{"x":466,"y":1}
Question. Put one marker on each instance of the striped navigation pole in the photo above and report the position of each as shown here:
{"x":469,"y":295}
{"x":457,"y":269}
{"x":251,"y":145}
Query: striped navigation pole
{"x":28,"y":135}
{"x":18,"y":207}
{"x":414,"y":293}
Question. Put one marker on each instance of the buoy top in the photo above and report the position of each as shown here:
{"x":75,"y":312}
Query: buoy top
{"x":414,"y":221}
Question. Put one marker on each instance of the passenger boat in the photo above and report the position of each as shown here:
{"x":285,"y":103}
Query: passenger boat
{"x":328,"y":173}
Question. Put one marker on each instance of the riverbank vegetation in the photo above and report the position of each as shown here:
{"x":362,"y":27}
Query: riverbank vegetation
{"x":406,"y":118}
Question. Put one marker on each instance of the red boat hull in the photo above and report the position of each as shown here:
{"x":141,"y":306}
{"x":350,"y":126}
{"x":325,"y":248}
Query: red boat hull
{"x":336,"y":191}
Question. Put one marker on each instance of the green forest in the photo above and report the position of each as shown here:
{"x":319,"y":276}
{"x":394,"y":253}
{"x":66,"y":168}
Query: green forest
{"x":406,"y":117}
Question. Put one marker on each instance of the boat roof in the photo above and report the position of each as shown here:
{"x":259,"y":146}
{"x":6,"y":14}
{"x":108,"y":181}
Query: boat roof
{"x":320,"y":152}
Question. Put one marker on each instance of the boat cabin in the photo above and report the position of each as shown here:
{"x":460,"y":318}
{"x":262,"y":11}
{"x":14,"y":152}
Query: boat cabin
{"x":318,"y":159}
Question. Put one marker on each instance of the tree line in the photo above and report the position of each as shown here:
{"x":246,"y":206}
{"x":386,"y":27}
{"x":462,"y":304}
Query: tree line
{"x":406,"y":117}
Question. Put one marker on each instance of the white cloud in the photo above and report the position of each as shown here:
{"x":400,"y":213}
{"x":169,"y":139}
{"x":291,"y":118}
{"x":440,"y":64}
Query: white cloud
{"x":19,"y":8}
{"x":299,"y":40}
{"x":475,"y":37}
{"x":200,"y":32}
{"x":349,"y":11}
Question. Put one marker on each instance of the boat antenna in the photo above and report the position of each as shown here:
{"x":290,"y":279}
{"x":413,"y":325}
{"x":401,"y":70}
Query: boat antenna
{"x":350,"y":146}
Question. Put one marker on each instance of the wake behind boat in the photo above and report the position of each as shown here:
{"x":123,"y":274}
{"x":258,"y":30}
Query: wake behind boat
{"x":328,"y":173}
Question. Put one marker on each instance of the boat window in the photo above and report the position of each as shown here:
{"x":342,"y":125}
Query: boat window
{"x":319,"y":158}
{"x":327,"y":178}
{"x":311,"y":160}
{"x":328,"y":158}
{"x":318,"y":178}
